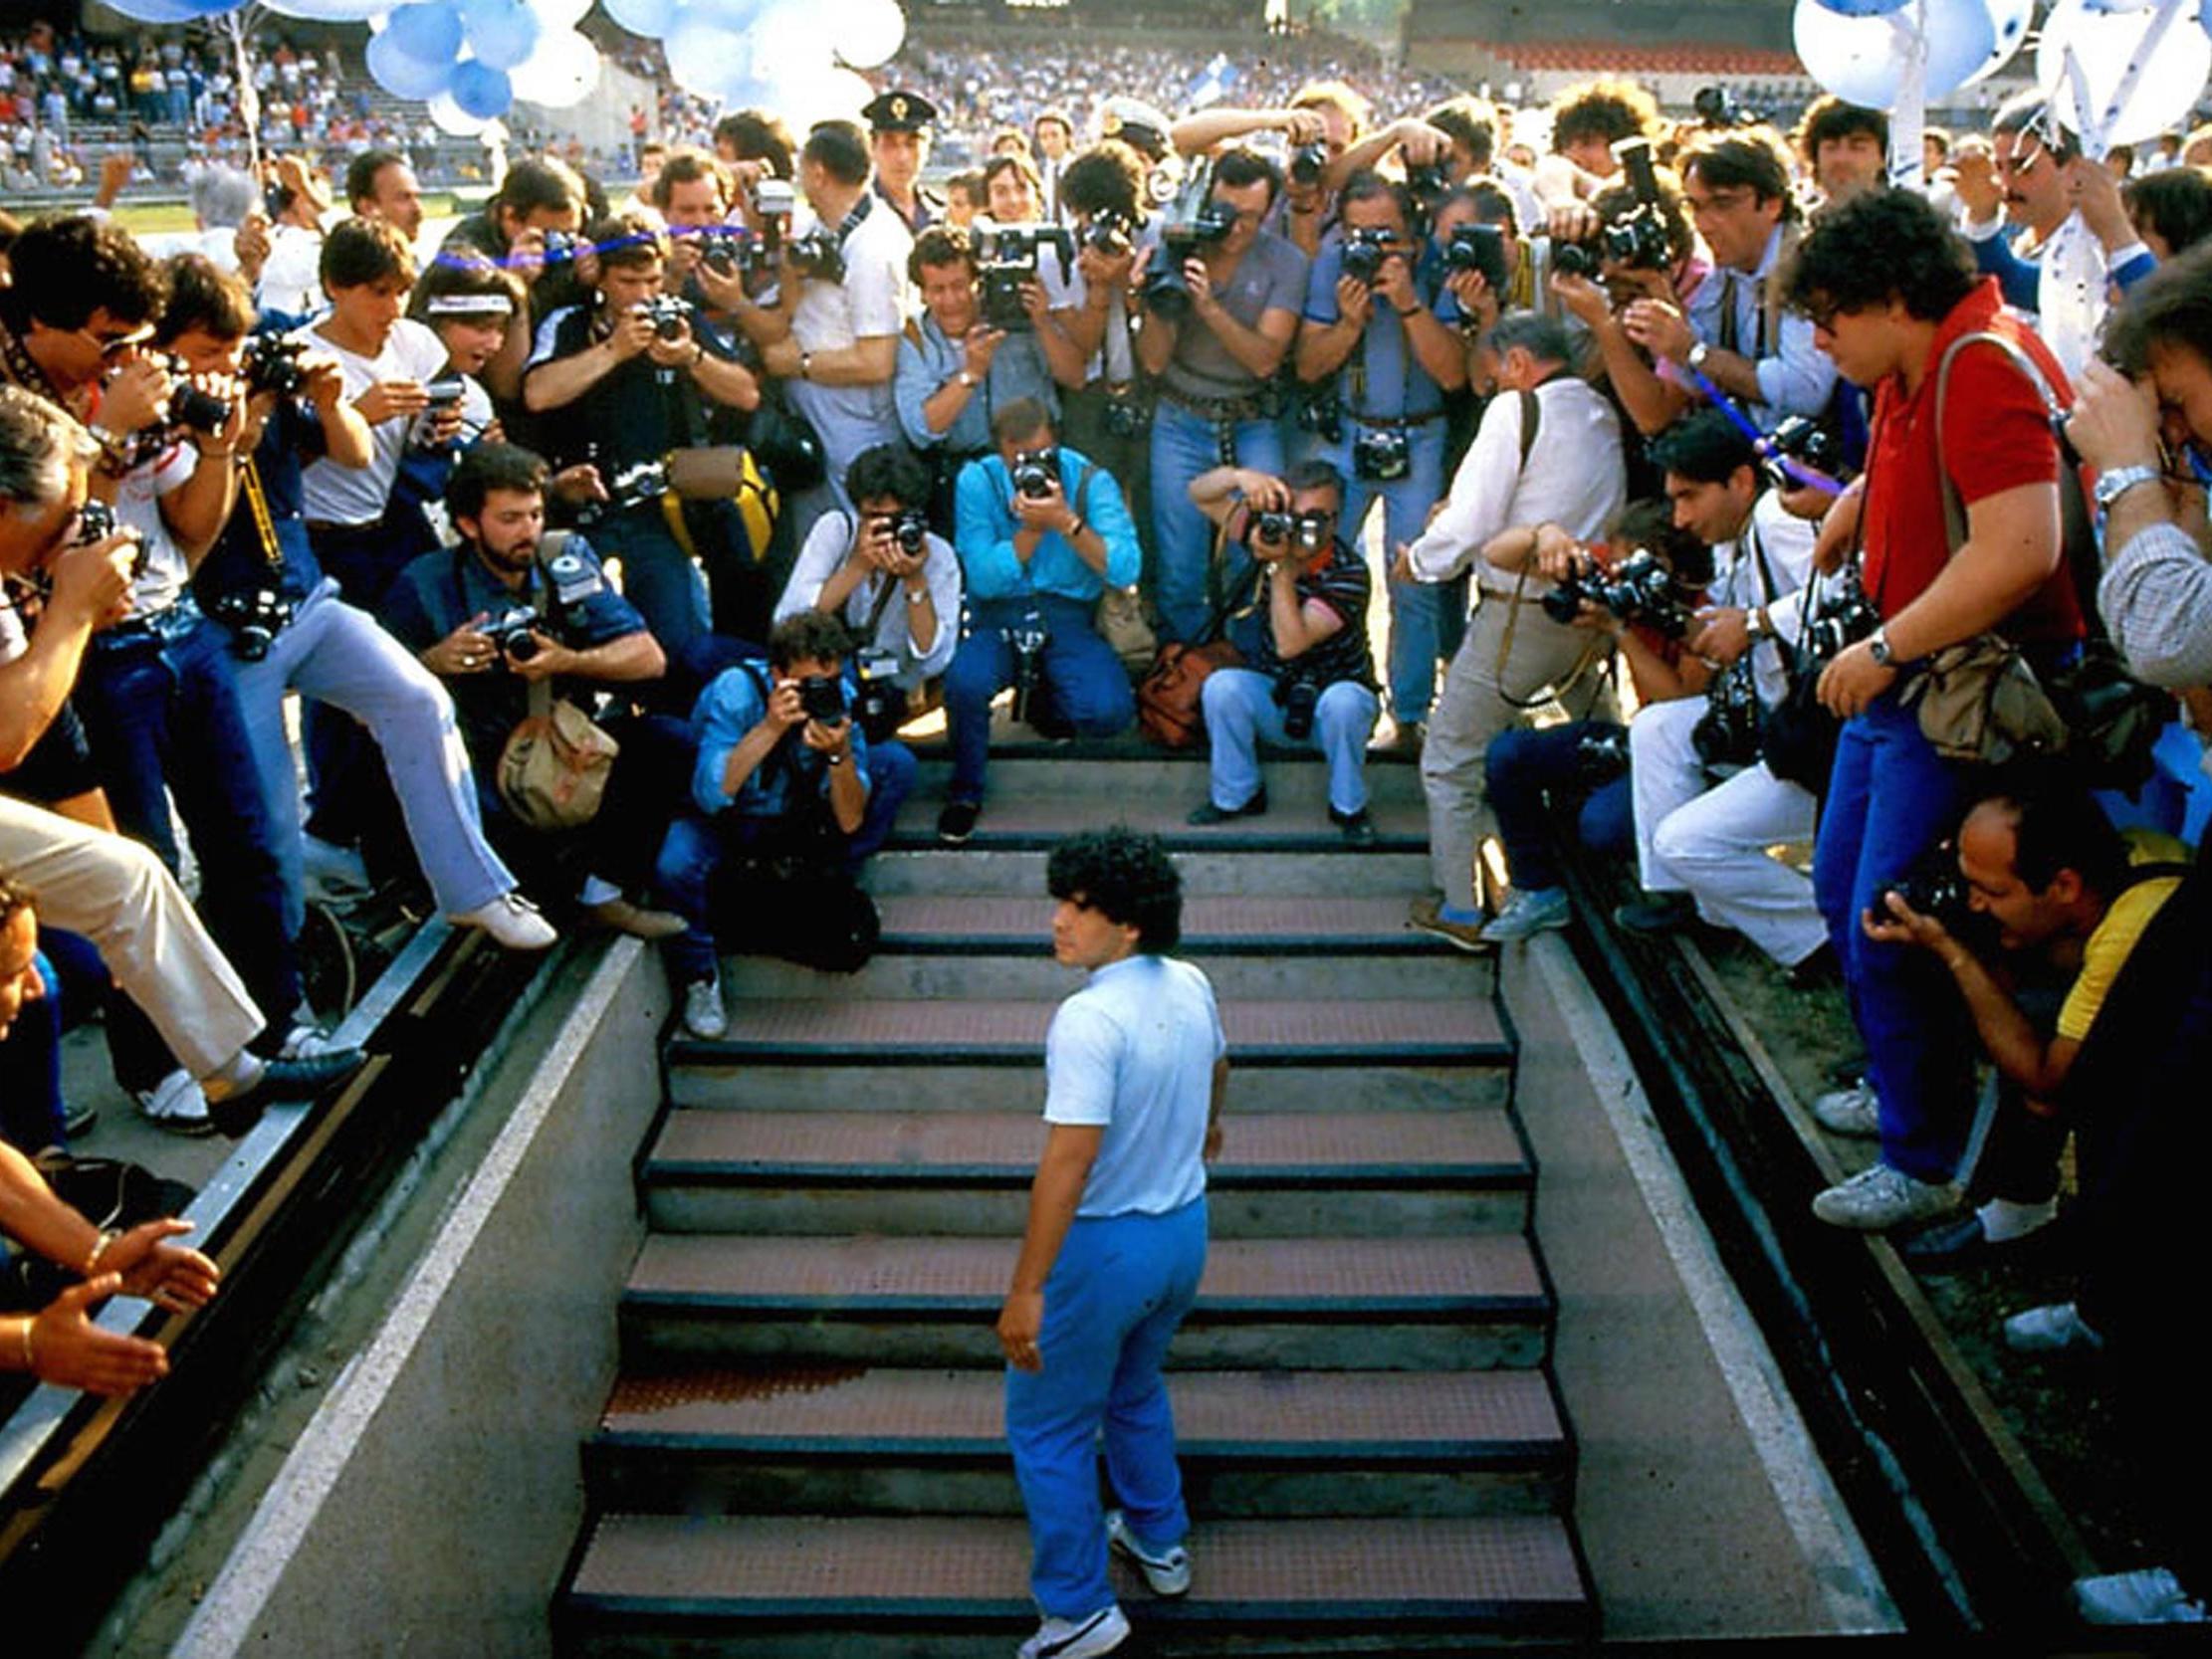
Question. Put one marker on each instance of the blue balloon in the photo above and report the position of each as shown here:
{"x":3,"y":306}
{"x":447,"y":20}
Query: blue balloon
{"x":481,"y":91}
{"x":403,"y":75}
{"x":502,"y":33}
{"x":428,"y":31}
{"x":1864,"y":8}
{"x":652,"y":18}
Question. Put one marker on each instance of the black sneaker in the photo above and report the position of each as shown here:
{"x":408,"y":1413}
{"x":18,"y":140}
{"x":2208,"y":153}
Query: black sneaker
{"x":1207,"y":813}
{"x":308,"y":1078}
{"x":1818,"y":969}
{"x":957,"y":821}
{"x":1358,"y":827}
{"x":1657,"y":913}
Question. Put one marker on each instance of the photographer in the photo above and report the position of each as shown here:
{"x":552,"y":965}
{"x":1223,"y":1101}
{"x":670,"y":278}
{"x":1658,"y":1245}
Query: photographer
{"x":1535,"y":776}
{"x":1706,"y":806}
{"x":1587,"y":120}
{"x":289,"y":630}
{"x":631,"y":373}
{"x":783,"y":778}
{"x":1215,"y":338}
{"x":1735,"y":330}
{"x":896,"y":586}
{"x":1108,"y":417}
{"x":844,"y":291}
{"x":280,"y":251}
{"x":508,"y":611}
{"x":1643,"y":250}
{"x":693,"y":196}
{"x":529,"y":227}
{"x":1042,"y":533}
{"x":955,"y":366}
{"x":1890,"y":289}
{"x":470,"y":304}
{"x":1548,"y":452}
{"x":1306,"y":677}
{"x":1388,"y":335}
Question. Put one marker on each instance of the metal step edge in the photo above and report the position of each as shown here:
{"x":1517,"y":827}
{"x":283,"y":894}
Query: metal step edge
{"x":1482,"y":1177}
{"x":724,"y":1053}
{"x":1541,"y":1454}
{"x":1475,"y":1308}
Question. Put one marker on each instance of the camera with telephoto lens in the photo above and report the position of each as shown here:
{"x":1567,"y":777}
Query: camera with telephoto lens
{"x":192,"y":408}
{"x":1365,"y":252}
{"x":1843,"y":620}
{"x":1011,"y":263}
{"x":1601,"y":755}
{"x":823,"y":697}
{"x":1111,"y":233}
{"x":1935,"y":889}
{"x":909,"y":528}
{"x":1035,"y":473}
{"x":273,"y":365}
{"x":255,"y":618}
{"x":1028,"y":641}
{"x":773,"y":202}
{"x":513,"y":632}
{"x":1480,"y":248}
{"x":1195,"y":223}
{"x":1801,"y":439}
{"x":818,"y":254}
{"x":1638,"y":589}
{"x":727,"y":250}
{"x":1298,"y":696}
{"x":1639,"y":238}
{"x":1381,"y":455}
{"x":1308,"y":163}
{"x":669,"y":315}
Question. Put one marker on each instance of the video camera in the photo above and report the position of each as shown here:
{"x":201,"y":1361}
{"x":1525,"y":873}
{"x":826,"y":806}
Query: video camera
{"x":1638,"y":589}
{"x":1195,"y":223}
{"x":1479,"y":247}
{"x":1010,"y":260}
{"x":818,"y":254}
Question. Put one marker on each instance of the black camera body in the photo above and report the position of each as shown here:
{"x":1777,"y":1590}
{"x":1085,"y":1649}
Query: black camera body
{"x":272,"y":364}
{"x":1198,"y":223}
{"x":1936,"y":889}
{"x":819,"y":254}
{"x":727,"y":250}
{"x":1306,"y":531}
{"x":1028,"y":640}
{"x":1801,"y":439}
{"x":561,"y":248}
{"x":1472,"y":246}
{"x":1125,"y":414}
{"x":1848,"y":617}
{"x":880,"y":705}
{"x":1321,"y":412}
{"x":192,"y":408}
{"x":255,"y":618}
{"x":1035,"y":473}
{"x":1718,"y":107}
{"x":823,"y":697}
{"x":1366,"y":251}
{"x":909,"y":527}
{"x":1298,"y":696}
{"x":669,"y":315}
{"x":1639,"y":238}
{"x":1111,"y":233}
{"x":96,"y":521}
{"x":1309,"y":163}
{"x":513,"y":632}
{"x":1601,"y":755}
{"x":1638,"y":589}
{"x":1427,"y":184}
{"x":1381,"y":455}
{"x":1571,"y":259}
{"x":1011,"y":262}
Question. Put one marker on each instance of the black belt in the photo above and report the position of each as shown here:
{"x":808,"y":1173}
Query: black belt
{"x":1398,"y":420}
{"x":328,"y":527}
{"x":1251,"y":407}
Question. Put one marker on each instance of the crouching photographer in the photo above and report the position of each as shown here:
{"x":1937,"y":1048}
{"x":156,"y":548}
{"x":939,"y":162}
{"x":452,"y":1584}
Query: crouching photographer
{"x":1306,"y":678}
{"x":1639,"y":590}
{"x":530,"y":638}
{"x":787,"y":799}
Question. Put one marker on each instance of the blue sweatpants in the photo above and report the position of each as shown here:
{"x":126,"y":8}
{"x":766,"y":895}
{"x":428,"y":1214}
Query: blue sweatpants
{"x":1112,"y":1302}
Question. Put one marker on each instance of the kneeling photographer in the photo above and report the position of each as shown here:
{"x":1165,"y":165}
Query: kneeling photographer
{"x":1306,"y":677}
{"x":1638,"y":589}
{"x":523,"y":626}
{"x":787,"y":791}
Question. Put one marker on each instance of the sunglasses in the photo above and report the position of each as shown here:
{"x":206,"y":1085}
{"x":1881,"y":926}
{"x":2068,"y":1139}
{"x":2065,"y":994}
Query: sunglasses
{"x":114,"y":345}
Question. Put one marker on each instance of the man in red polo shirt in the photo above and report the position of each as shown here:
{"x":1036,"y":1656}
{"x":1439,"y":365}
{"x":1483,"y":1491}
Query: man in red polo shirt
{"x":1891,"y":290}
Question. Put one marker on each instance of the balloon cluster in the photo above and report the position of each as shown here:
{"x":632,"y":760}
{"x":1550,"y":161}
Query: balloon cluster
{"x":797,"y":58}
{"x":2116,"y":72}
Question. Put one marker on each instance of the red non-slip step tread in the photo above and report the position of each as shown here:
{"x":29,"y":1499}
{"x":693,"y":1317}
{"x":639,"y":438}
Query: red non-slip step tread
{"x":995,"y":916}
{"x":1325,"y":1565}
{"x":1270,"y":1142}
{"x":1285,"y":1408}
{"x":1298,"y":1269}
{"x":808,"y":1023}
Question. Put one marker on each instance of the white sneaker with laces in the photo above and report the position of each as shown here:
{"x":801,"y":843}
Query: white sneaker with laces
{"x":510,"y":919}
{"x":177,"y":1105}
{"x":1879,"y":1198}
{"x":1854,"y":1111}
{"x":2053,"y":1327}
{"x":1078,"y":1638}
{"x":2149,"y":1595}
{"x":305,"y":1039}
{"x":1531,"y":910}
{"x":704,"y":1016}
{"x":1167,"y":1572}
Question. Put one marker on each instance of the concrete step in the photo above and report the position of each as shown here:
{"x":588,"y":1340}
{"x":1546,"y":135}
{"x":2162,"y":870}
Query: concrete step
{"x":1034,"y":821}
{"x":1323,"y":925}
{"x":1206,"y":871}
{"x":830,"y":1588}
{"x":1298,"y":782}
{"x":1355,"y":1304}
{"x":1251,"y":1444}
{"x":1025,"y":975}
{"x":1279,"y":1175}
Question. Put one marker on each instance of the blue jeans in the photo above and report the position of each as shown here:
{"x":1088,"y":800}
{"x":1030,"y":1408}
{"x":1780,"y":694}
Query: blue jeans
{"x":165,"y":720}
{"x":1121,"y":1286}
{"x":658,"y":576}
{"x":1426,"y":620}
{"x":31,"y":1070}
{"x":1242,"y":712}
{"x":346,"y":800}
{"x":1891,"y":799}
{"x":695,"y":847}
{"x":1079,"y":674}
{"x":1531,"y":776}
{"x":1184,"y":445}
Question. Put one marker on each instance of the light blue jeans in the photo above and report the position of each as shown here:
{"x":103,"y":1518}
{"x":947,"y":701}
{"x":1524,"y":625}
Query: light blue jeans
{"x":1185,"y":445}
{"x":1426,"y":620}
{"x":1112,"y":1302}
{"x":1241,"y":713}
{"x":338,"y":655}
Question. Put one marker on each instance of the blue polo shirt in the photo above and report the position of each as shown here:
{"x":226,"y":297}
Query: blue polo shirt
{"x":1383,"y":378}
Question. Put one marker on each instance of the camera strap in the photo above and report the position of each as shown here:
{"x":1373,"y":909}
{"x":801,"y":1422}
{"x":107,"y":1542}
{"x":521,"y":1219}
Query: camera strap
{"x":257,"y":505}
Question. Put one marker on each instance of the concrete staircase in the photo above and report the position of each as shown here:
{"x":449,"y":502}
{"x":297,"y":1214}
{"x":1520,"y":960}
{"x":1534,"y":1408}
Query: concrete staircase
{"x":804,"y":1456}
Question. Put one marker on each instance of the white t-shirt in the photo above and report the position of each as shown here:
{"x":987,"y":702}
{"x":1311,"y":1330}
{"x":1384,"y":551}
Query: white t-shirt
{"x":292,"y":279}
{"x":824,"y":550}
{"x":137,"y":507}
{"x":871,"y":303}
{"x":357,"y":496}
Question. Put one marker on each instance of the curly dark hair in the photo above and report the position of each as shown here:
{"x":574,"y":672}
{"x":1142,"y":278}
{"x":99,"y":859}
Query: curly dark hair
{"x":202,"y":296}
{"x":66,"y":267}
{"x":809,"y":635}
{"x":1127,"y":876}
{"x":1828,"y":118}
{"x":1104,"y":179}
{"x":490,"y":467}
{"x":1608,"y":110}
{"x":1649,"y":523}
{"x":1705,"y":448}
{"x":2170,"y":307}
{"x":1880,"y":246}
{"x":942,"y":245}
{"x":358,"y":252}
{"x":1748,"y":158}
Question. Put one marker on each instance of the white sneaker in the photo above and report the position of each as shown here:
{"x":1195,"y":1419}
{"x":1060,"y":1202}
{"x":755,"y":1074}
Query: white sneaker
{"x":2149,"y":1595}
{"x":1066,"y":1638}
{"x":338,"y":871}
{"x":512,"y":919}
{"x":2051,"y":1329}
{"x":1879,"y":1198}
{"x":1167,"y":1572}
{"x":1854,"y":1111}
{"x":704,"y":1016}
{"x":1531,"y":910}
{"x":177,"y":1105}
{"x":304,"y":1040}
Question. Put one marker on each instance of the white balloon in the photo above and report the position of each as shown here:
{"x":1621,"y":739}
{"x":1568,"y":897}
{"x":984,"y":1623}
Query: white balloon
{"x":826,"y":94}
{"x":449,"y":117}
{"x":2010,"y":19}
{"x":866,"y":32}
{"x":790,"y":37}
{"x":328,"y":11}
{"x":559,"y":14}
{"x":704,"y":57}
{"x":1861,"y":58}
{"x":2108,"y":45}
{"x":561,"y":71}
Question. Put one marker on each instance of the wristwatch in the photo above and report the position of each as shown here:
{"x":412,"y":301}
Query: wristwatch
{"x":1697,"y":354}
{"x":805,"y":365}
{"x":1877,"y":647}
{"x":2116,"y":483}
{"x":966,"y":379}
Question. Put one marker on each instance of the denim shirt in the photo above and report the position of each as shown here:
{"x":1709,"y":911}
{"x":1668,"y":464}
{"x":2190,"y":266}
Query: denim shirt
{"x":731,"y":706}
{"x":985,"y":526}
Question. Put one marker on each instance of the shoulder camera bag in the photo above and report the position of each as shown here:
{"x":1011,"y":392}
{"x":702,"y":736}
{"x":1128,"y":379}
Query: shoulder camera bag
{"x":554,"y":769}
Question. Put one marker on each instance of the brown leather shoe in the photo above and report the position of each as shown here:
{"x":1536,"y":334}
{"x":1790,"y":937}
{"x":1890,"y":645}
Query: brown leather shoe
{"x":621,"y":916}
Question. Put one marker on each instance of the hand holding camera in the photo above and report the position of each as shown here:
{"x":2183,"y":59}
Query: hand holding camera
{"x":1723,"y":636}
{"x":632,"y":333}
{"x":467,"y":650}
{"x":93,"y":574}
{"x":896,"y":543}
{"x":137,"y":396}
{"x":392,"y":399}
{"x":1394,"y":282}
{"x":1355,"y":301}
{"x":979,"y":346}
{"x":1660,"y":327}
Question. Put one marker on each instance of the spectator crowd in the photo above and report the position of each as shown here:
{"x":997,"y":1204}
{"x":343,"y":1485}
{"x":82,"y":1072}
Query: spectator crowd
{"x":1705,"y":492}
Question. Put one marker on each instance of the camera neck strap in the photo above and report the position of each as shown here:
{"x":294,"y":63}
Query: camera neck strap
{"x":257,"y":508}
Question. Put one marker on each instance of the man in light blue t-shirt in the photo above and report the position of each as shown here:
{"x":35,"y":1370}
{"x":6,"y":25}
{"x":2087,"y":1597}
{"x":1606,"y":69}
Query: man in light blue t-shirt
{"x":1136,"y":1070}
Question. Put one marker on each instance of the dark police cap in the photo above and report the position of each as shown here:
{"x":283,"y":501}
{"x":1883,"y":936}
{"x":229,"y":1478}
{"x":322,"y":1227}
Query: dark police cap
{"x":899,"y":111}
